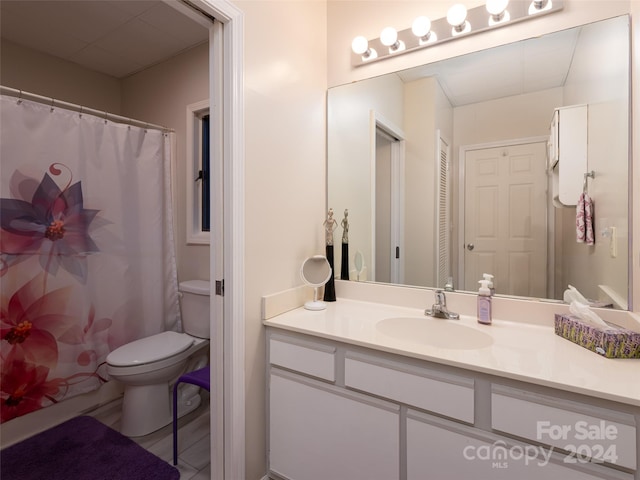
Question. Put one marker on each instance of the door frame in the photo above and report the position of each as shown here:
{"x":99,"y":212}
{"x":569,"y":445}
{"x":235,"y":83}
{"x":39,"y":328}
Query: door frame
{"x":227,"y":210}
{"x":378,"y":121}
{"x":461,"y":194}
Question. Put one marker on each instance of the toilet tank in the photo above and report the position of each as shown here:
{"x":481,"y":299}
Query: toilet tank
{"x":195,"y":307}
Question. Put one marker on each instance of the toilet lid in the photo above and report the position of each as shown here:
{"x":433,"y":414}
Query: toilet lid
{"x":150,"y":349}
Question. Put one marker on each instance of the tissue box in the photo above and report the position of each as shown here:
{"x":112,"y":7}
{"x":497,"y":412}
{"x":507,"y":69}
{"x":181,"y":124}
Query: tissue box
{"x":610,"y":343}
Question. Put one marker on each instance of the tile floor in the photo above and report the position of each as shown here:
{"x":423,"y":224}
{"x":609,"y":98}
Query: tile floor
{"x":193,"y":439}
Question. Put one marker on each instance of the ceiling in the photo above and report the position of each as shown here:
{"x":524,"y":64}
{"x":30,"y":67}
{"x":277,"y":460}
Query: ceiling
{"x":122,"y":37}
{"x":115,"y":37}
{"x":514,"y":69}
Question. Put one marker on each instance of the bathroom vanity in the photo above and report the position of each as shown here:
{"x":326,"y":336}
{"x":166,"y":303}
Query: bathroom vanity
{"x":366,"y":390}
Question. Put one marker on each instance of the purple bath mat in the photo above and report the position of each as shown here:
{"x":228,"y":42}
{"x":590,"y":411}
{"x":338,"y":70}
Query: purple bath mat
{"x":82,"y":449}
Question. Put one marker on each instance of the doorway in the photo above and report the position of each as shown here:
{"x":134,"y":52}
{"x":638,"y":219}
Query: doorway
{"x":227,"y":214}
{"x":385,"y":189}
{"x":387,"y":167}
{"x":225,"y":91}
{"x":504,"y":216}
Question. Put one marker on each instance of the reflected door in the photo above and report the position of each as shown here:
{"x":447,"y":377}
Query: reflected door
{"x":388,"y":213}
{"x":505,"y":218}
{"x":383,"y":207}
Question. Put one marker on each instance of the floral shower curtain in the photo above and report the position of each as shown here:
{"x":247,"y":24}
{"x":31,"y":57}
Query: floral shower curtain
{"x":87,"y":259}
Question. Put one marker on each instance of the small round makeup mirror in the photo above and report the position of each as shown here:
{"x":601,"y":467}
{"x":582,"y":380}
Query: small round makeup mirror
{"x":315,"y":272}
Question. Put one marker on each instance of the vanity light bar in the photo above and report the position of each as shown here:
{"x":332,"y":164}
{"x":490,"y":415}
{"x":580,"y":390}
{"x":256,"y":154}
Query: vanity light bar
{"x":477,"y":20}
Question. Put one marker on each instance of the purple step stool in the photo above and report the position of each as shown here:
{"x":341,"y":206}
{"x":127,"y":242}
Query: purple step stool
{"x":200,"y":378}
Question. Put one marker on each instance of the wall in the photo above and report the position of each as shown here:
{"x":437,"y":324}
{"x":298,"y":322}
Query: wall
{"x":285,"y":114}
{"x":416,"y":108}
{"x":634,"y":257}
{"x":35,"y":72}
{"x":160,"y":95}
{"x":596,"y":78}
{"x":501,"y":119}
{"x":420,"y":111}
{"x":349,"y":136}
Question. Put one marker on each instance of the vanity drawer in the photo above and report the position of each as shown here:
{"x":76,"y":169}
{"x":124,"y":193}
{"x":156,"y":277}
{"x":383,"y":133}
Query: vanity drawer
{"x":437,"y":392}
{"x":584,"y":431}
{"x":309,"y":358}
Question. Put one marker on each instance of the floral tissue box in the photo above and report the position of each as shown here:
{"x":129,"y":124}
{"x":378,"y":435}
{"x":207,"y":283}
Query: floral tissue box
{"x":616,"y":342}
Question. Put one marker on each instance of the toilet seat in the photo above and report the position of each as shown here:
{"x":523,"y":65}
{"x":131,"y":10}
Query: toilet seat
{"x":150,"y":349}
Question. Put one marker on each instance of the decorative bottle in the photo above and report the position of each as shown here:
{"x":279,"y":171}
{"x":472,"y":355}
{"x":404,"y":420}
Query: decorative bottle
{"x":329,"y":225}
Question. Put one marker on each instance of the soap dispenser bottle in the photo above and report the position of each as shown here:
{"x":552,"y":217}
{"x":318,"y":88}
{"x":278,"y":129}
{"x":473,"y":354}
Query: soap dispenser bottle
{"x":484,"y":303}
{"x":489,"y":278}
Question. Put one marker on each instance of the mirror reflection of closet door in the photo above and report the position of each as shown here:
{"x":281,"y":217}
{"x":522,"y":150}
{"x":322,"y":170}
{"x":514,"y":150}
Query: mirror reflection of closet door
{"x":388,"y":201}
{"x":505,"y":218}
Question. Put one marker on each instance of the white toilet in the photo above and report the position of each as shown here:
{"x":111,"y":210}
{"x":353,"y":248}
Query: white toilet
{"x":148,"y":367}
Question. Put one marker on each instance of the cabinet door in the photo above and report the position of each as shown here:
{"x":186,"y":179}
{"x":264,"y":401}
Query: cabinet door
{"x":441,"y":450}
{"x":317,"y":432}
{"x":572,"y":163}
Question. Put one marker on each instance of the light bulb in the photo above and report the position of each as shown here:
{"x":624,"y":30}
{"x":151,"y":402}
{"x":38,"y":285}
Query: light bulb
{"x":421,"y":27}
{"x":539,"y":6}
{"x":496,"y":7}
{"x":360,"y":45}
{"x":457,"y":15}
{"x":498,"y":11}
{"x":389,"y":36}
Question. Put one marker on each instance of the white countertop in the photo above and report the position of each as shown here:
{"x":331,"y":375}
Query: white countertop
{"x":523,"y":351}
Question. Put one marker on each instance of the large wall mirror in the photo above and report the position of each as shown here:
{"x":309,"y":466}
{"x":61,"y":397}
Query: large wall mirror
{"x":450,"y":170}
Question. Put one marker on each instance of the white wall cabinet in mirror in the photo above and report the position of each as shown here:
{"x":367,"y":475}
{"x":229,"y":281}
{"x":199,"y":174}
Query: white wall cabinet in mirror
{"x":569,"y":138}
{"x":484,"y":101}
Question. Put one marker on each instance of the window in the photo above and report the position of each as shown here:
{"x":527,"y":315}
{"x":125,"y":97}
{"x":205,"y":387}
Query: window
{"x":198,"y":173}
{"x":204,"y":174}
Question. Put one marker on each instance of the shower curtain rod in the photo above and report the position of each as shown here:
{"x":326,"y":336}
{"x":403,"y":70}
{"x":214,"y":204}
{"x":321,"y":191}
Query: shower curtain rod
{"x":21,"y":94}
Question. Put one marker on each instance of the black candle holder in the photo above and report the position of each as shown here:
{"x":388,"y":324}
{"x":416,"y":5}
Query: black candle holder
{"x":330,"y":286}
{"x":344,"y":266}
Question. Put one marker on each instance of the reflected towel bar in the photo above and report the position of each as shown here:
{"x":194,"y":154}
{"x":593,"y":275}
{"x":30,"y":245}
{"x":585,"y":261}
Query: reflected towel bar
{"x":590,"y":174}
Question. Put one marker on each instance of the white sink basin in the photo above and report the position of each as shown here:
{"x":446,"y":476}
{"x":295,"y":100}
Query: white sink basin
{"x":450,"y":334}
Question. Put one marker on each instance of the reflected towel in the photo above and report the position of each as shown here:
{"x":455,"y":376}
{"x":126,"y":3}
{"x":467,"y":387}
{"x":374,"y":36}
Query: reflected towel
{"x":584,"y":220}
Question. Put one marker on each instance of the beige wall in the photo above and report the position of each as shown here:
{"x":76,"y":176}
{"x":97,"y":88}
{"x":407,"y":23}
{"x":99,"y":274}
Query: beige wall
{"x":349,"y":183}
{"x":415,"y":108}
{"x":635,"y":148}
{"x":285,"y":91}
{"x":596,"y":77}
{"x":160,"y":95}
{"x":35,"y":72}
{"x":420,"y":112}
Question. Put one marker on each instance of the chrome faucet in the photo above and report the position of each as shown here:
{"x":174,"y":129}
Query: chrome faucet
{"x":439,"y":309}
